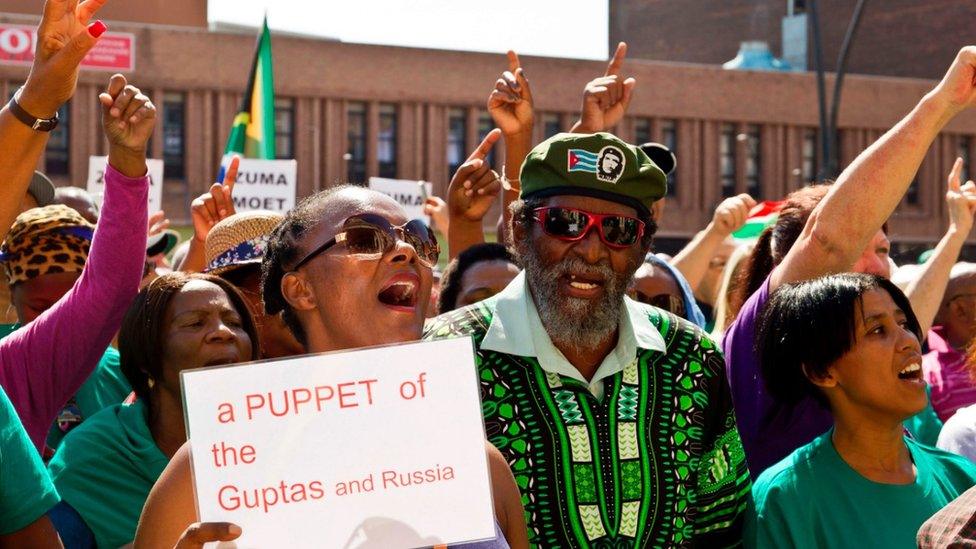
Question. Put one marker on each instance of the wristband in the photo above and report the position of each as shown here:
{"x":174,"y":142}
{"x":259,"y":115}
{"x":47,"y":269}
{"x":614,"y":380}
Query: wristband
{"x":31,"y":121}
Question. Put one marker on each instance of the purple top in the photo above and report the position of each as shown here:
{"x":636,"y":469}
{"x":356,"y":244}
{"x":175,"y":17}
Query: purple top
{"x":769,"y":432}
{"x":44,"y":363}
{"x":498,"y":543}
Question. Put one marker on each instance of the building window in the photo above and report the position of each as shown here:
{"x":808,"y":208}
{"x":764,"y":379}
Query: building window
{"x":356,"y":136}
{"x":808,"y":156}
{"x":642,"y":131}
{"x":457,"y":147}
{"x":753,"y":162}
{"x":912,"y":195}
{"x":386,"y":141}
{"x":726,"y":153}
{"x":550,"y":125}
{"x":669,"y":138}
{"x":285,"y":128}
{"x":963,"y":148}
{"x":485,"y":125}
{"x":58,"y":152}
{"x":174,"y":135}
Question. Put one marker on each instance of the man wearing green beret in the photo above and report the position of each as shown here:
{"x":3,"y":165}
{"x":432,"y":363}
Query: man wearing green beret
{"x":615,"y":416}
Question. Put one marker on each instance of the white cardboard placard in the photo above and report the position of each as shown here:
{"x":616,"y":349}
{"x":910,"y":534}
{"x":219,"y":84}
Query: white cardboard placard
{"x":265,"y":184}
{"x":406,"y":192}
{"x":381,"y":447}
{"x":96,"y":181}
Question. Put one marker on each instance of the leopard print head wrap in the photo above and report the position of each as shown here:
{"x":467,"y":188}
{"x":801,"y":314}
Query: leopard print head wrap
{"x":52,"y":239}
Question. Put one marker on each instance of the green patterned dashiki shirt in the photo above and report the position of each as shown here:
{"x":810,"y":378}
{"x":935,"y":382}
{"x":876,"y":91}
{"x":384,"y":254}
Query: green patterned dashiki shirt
{"x":647,"y":455}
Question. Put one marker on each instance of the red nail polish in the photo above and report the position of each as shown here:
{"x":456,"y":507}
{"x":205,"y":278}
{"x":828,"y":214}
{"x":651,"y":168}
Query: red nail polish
{"x":97,"y":28}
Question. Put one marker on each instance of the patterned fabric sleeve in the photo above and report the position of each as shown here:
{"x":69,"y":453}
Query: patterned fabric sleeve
{"x":722,"y":485}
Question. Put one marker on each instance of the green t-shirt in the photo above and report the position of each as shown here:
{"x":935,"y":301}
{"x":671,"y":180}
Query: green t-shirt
{"x":26,"y":491}
{"x":814,"y":499}
{"x":105,"y":469}
{"x":105,"y":387}
{"x":925,"y":426}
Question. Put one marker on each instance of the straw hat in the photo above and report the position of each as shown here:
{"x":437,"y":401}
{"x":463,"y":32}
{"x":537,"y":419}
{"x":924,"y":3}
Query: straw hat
{"x":240,"y":239}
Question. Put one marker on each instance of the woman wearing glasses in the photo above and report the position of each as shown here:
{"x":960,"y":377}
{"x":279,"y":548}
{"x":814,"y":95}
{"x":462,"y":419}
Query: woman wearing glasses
{"x":851,"y":342}
{"x":345,"y":269}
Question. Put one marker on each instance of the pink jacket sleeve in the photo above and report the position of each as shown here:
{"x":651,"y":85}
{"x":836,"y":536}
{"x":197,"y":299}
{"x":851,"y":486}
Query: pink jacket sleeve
{"x":44,"y":363}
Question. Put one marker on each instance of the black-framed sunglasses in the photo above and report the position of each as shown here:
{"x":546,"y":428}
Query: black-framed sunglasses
{"x":371,"y":234}
{"x":668,"y":302}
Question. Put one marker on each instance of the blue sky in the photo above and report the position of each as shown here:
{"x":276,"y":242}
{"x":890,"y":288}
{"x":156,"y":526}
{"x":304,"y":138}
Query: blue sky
{"x":556,"y":28}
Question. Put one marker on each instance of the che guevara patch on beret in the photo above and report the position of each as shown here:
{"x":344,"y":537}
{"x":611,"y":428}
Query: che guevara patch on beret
{"x":599,"y":165}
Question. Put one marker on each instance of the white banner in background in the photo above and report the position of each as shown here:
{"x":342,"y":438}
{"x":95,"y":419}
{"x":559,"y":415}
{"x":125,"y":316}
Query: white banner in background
{"x":407,"y":193}
{"x":96,"y":181}
{"x":265,"y":184}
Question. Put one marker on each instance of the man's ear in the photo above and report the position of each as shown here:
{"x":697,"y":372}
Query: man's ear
{"x":657,"y":210}
{"x":828,"y":379}
{"x":519,"y":235}
{"x":297,"y":291}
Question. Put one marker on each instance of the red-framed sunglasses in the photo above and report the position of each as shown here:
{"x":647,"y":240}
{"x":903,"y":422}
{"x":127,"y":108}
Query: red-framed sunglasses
{"x":571,"y":225}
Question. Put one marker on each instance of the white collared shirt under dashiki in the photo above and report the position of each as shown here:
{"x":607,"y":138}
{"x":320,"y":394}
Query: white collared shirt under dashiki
{"x":646,"y":454}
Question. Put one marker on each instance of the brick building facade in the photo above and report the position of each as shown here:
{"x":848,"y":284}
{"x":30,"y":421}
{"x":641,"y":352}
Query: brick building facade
{"x":349,"y":111}
{"x":904,"y":38}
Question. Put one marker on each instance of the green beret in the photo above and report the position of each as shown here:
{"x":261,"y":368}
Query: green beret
{"x":598,"y":165}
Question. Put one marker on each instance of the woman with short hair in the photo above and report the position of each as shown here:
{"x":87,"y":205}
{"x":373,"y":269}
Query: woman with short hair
{"x":851,"y":343}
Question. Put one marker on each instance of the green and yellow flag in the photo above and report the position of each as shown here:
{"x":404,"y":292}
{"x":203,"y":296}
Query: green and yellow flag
{"x":253,"y":134}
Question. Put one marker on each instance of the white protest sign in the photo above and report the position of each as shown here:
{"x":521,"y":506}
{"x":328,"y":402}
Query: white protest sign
{"x":265,"y":184}
{"x":406,"y":192}
{"x":96,"y":181}
{"x":381,"y":447}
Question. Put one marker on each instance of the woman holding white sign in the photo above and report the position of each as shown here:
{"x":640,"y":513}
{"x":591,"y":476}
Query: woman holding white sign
{"x":362,"y":240}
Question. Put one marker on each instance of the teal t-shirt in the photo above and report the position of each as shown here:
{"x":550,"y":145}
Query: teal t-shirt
{"x":925,"y":426}
{"x":105,"y":387}
{"x":814,"y":499}
{"x":26,"y":491}
{"x":105,"y":469}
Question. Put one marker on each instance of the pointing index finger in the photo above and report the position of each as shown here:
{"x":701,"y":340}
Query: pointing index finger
{"x":954,"y":175}
{"x":230,"y":178}
{"x":617,"y":60}
{"x":513,"y":61}
{"x":486,"y":144}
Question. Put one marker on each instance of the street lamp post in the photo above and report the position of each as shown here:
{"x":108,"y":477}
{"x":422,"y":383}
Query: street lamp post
{"x":828,"y":126}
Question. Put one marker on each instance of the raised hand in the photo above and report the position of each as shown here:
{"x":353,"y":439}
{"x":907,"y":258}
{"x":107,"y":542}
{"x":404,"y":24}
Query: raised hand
{"x":958,"y":86}
{"x":960,"y":199}
{"x":158,"y":222}
{"x":510,"y":103}
{"x":731,"y":213}
{"x":436,"y":208}
{"x":128,"y":118}
{"x":216,"y":204}
{"x":605,"y":99}
{"x":64,"y":37}
{"x":475,"y":185}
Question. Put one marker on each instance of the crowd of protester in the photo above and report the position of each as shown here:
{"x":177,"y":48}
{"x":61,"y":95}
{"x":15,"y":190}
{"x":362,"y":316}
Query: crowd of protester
{"x":798,"y":389}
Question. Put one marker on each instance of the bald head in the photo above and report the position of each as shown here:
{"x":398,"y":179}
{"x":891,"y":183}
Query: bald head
{"x":957,"y":315}
{"x":962,"y":280}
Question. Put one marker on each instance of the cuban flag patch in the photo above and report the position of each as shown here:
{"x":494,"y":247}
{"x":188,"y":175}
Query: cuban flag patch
{"x":582,"y":161}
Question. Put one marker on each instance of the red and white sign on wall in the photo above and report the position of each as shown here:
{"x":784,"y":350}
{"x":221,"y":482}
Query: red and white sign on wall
{"x":115,"y":51}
